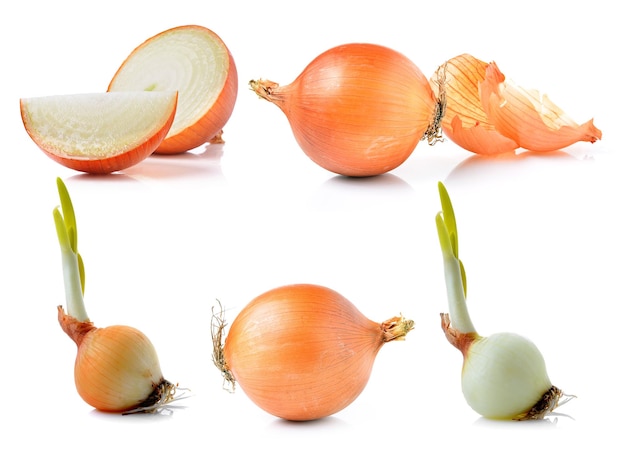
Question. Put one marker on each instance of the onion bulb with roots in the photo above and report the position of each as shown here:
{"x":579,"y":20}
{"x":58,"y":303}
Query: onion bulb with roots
{"x":302,"y":352}
{"x":504,"y":375}
{"x":116,"y":367}
{"x":358,"y":109}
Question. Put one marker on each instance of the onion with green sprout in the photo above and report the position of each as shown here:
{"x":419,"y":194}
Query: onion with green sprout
{"x":116,"y":367}
{"x":504,"y":375}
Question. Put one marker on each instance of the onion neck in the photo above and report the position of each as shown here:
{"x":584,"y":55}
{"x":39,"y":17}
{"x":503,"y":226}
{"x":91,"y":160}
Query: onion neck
{"x":74,"y":328}
{"x":396,"y":328}
{"x":263,"y":88}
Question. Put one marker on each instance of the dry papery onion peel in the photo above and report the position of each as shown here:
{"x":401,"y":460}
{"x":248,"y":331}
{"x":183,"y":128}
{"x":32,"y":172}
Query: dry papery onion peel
{"x":117,"y":368}
{"x":488,"y":114}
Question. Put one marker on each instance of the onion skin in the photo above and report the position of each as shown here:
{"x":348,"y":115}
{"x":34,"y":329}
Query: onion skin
{"x":530,"y":119}
{"x":303,"y":352}
{"x":489,"y":115}
{"x":465,"y":122}
{"x":116,"y":367}
{"x":357,"y":109}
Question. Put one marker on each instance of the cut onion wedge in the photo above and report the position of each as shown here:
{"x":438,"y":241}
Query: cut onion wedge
{"x":194,"y":61}
{"x":99,"y":132}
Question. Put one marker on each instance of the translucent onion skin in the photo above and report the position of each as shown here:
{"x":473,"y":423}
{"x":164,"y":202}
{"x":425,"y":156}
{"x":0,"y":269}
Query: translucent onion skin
{"x":357,"y":109}
{"x":465,"y":122}
{"x":116,"y":367}
{"x":303,"y":352}
{"x":529,"y":118}
{"x":489,"y":115}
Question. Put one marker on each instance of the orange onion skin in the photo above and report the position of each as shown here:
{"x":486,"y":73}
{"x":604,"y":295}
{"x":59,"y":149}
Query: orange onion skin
{"x":116,"y":367}
{"x":302,"y":352}
{"x":465,"y":122}
{"x":357,"y":109}
{"x":532,"y":120}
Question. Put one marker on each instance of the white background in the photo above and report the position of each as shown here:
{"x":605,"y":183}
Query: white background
{"x":541,"y":237}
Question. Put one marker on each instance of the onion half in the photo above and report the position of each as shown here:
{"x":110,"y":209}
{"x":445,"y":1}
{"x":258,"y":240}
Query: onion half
{"x":194,"y":61}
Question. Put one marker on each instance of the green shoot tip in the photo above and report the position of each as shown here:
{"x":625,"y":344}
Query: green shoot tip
{"x":447,"y":230}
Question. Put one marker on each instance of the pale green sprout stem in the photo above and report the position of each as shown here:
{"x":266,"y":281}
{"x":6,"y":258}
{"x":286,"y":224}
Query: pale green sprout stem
{"x":456,"y":284}
{"x":73,"y":268}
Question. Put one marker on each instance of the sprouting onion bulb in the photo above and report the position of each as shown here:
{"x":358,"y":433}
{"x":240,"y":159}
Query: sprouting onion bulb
{"x":358,"y":109}
{"x":302,"y":352}
{"x":504,"y":375}
{"x":116,"y":367}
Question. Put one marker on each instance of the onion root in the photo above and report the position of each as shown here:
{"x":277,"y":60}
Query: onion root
{"x":434,"y":132}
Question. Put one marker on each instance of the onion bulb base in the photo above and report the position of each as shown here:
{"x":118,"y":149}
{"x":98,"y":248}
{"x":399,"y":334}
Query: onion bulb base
{"x":164,"y":393}
{"x":550,"y":400}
